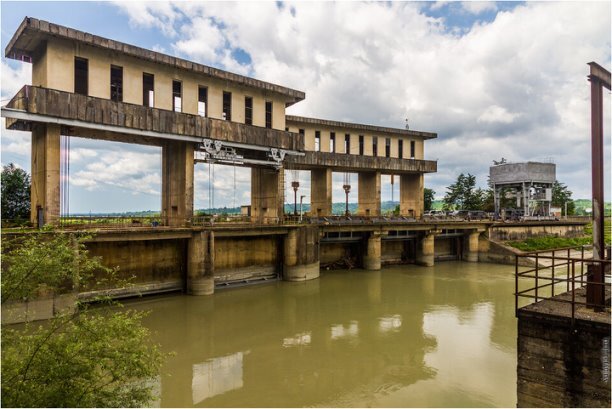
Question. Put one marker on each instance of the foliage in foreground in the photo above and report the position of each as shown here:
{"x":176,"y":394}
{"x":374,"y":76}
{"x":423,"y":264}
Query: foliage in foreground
{"x":15,"y":193}
{"x":95,"y":357}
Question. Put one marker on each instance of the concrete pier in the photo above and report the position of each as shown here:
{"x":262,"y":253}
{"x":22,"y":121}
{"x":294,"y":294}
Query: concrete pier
{"x":321,"y":192}
{"x":301,"y":254}
{"x":372,"y":256}
{"x":200,"y":263}
{"x":45,"y":191}
{"x":266,"y":194}
{"x":411,"y":195}
{"x":425,"y":250}
{"x":368,"y":200}
{"x":470,"y":251}
{"x":177,"y":183}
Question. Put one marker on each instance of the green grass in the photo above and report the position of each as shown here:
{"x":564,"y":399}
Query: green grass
{"x":547,"y":243}
{"x":588,"y":230}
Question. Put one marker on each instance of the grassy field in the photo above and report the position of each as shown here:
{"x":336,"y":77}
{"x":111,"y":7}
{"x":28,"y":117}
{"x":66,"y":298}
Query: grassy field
{"x":547,"y":243}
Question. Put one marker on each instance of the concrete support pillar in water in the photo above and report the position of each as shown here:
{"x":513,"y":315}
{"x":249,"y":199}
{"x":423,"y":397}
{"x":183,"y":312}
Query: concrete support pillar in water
{"x":200,"y":263}
{"x":267,"y":195}
{"x":425,"y":250}
{"x":368,"y":198}
{"x":470,"y":247}
{"x":301,"y":254}
{"x":411,"y":195}
{"x":177,"y":183}
{"x":371,"y":259}
{"x":45,"y":165}
{"x":321,"y":192}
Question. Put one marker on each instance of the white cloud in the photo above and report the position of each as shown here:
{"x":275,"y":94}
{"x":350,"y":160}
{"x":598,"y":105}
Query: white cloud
{"x":12,"y":79}
{"x":477,"y":7}
{"x":495,"y":113}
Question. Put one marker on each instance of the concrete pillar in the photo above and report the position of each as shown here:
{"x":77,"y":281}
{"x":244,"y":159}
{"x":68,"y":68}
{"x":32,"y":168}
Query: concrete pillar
{"x":200,"y":264}
{"x":368,"y":200}
{"x":301,"y":254}
{"x":470,"y":248}
{"x":321,"y":192}
{"x":371,"y":258}
{"x":45,"y":167}
{"x":412,"y":195}
{"x":177,"y":183}
{"x":267,"y":195}
{"x":425,"y":250}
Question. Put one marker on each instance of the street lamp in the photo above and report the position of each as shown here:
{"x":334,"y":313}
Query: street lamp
{"x":295,"y":185}
{"x":347,"y":189}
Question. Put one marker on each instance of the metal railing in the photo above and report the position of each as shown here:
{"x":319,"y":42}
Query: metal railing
{"x":560,"y":276}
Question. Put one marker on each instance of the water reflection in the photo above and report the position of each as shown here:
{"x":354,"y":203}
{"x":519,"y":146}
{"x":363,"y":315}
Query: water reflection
{"x":216,"y":376}
{"x":341,"y":331}
{"x":442,"y":336}
{"x":392,"y":323}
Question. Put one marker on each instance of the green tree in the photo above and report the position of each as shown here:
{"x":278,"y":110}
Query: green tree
{"x":15,"y":193}
{"x":561,"y":195}
{"x":94,"y":357}
{"x":463,"y":194}
{"x":428,"y":198}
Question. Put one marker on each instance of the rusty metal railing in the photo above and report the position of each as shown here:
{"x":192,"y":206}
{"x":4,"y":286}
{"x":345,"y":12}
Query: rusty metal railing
{"x":557,"y":275}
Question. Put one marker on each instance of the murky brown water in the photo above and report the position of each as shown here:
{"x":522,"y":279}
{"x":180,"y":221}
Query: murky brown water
{"x":404,"y":336}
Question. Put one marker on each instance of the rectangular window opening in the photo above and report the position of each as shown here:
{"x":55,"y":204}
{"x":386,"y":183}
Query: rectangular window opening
{"x":361,"y":144}
{"x":412,"y":149}
{"x":332,"y":142}
{"x":248,"y":110}
{"x":388,"y":147}
{"x":400,"y":148}
{"x":227,"y":106}
{"x":301,"y":132}
{"x":81,"y":74}
{"x":374,"y":146}
{"x":317,"y":141}
{"x":116,"y":83}
{"x":268,"y":114}
{"x":148,"y":90}
{"x":202,"y":101}
{"x":177,"y":96}
{"x":347,"y":143}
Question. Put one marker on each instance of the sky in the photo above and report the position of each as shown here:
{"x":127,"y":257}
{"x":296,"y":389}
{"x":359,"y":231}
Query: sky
{"x":492,"y":79}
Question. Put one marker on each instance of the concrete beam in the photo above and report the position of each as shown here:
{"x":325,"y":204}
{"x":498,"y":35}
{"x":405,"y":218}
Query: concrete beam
{"x":368,"y":201}
{"x":45,"y":168}
{"x":321,"y":192}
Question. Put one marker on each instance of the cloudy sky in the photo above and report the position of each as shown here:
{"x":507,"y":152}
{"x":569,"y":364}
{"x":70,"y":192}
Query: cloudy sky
{"x":505,"y":79}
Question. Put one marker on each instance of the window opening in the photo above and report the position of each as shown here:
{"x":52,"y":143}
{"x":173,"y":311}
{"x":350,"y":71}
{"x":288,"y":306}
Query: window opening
{"x":388,"y":147}
{"x":116,"y":83}
{"x":202,"y":101}
{"x":81,"y":73}
{"x":268,"y":114}
{"x":400,"y":148}
{"x":332,"y":142}
{"x":177,"y":96}
{"x":375,"y":146}
{"x":347,"y":143}
{"x":318,"y":141}
{"x":248,"y":110}
{"x":361,"y":138}
{"x":227,"y":106}
{"x":148,"y":87}
{"x":412,"y":149}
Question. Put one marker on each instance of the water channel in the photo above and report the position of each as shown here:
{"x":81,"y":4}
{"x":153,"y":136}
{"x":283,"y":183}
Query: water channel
{"x":406,"y":336}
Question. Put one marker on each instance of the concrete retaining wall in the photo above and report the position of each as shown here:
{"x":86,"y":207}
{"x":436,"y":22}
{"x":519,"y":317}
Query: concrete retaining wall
{"x":523,"y":231}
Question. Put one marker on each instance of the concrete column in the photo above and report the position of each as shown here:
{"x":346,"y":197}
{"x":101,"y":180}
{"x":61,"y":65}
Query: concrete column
{"x":368,"y":200}
{"x":200,"y":264}
{"x":371,"y":259}
{"x":425,"y":250}
{"x":321,"y":192}
{"x":412,"y":195}
{"x":267,"y":195}
{"x":177,"y":183}
{"x":301,"y":254}
{"x":470,"y":247}
{"x":45,"y":167}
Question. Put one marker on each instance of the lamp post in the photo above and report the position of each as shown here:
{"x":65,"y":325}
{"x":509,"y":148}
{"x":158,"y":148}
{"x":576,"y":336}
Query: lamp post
{"x":295,"y":185}
{"x":347,"y":189}
{"x":301,"y":199}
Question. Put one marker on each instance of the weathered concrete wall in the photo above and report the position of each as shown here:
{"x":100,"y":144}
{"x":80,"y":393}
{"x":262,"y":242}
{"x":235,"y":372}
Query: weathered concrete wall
{"x":560,"y":366}
{"x":159,"y":264}
{"x":392,"y":252}
{"x":301,"y":254}
{"x":523,"y":231}
{"x":522,"y":172}
{"x":411,"y":195}
{"x":240,"y":258}
{"x":444,"y":248}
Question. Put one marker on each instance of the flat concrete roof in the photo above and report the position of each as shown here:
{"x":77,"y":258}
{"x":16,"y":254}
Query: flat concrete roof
{"x":361,"y":127}
{"x":32,"y":32}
